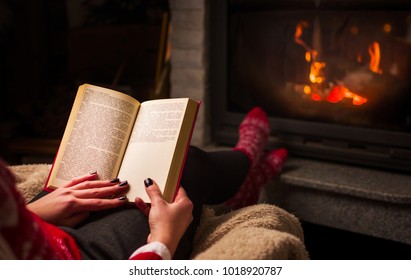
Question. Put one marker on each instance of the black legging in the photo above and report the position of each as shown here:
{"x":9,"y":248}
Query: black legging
{"x":208,"y":178}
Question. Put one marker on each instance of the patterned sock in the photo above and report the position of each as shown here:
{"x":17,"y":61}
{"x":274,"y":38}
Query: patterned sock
{"x":268,"y":168}
{"x":253,"y":135}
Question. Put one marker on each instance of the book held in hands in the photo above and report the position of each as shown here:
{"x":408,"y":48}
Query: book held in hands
{"x":119,"y":137}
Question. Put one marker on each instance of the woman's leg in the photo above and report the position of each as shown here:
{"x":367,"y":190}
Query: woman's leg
{"x":224,"y":176}
{"x":111,"y":234}
{"x":209,"y":178}
{"x":215,"y":177}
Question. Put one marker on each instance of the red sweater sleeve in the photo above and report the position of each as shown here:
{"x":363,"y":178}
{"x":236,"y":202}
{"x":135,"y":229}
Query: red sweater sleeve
{"x":146,"y":256}
{"x":23,"y":233}
{"x":151,"y":251}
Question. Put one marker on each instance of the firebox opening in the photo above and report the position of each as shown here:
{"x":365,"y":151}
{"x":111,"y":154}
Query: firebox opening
{"x":325,"y":70}
{"x":339,"y":67}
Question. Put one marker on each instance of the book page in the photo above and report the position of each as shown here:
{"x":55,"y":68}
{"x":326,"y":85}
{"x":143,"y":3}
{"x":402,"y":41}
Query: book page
{"x":96,"y":135}
{"x":152,"y":145}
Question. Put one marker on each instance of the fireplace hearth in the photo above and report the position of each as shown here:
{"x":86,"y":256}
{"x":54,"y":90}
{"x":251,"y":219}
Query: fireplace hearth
{"x":334,"y":76}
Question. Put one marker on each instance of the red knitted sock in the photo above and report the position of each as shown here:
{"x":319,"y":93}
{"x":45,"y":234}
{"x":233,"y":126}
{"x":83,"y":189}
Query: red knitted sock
{"x":268,"y":168}
{"x":253,"y":134}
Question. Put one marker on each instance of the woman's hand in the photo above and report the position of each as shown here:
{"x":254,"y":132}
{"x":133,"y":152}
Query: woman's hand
{"x":168,"y":221}
{"x":71,"y":204}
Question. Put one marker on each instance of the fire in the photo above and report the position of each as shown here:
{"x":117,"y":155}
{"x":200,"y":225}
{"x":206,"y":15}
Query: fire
{"x":316,"y":88}
{"x":316,"y":76}
{"x":308,"y":56}
{"x":299,"y":32}
{"x":338,"y":93}
{"x":375,"y":54}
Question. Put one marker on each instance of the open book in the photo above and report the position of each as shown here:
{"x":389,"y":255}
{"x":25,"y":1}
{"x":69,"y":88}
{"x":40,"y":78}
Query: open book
{"x":117,"y":136}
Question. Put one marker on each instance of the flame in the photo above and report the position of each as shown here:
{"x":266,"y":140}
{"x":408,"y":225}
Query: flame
{"x":375,"y":54}
{"x":316,"y":76}
{"x":338,"y":92}
{"x":299,"y":32}
{"x":310,"y":54}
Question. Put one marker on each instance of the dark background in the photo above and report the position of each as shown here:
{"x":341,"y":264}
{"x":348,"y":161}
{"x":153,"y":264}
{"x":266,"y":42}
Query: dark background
{"x":49,"y":47}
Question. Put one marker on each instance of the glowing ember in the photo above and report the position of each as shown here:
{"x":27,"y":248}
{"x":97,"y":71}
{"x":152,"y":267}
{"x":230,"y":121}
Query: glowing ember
{"x":338,"y":93}
{"x":316,"y":97}
{"x":358,"y":100}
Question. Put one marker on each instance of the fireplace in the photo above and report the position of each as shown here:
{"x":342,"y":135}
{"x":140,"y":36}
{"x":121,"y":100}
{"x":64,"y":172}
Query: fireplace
{"x":334,"y":76}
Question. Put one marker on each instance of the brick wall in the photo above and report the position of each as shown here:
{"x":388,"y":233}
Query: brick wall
{"x":189,"y":60}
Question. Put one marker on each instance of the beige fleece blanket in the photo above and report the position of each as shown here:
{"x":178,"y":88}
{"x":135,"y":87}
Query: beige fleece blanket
{"x":256,"y":232}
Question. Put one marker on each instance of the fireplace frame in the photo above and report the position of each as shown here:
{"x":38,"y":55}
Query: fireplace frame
{"x":367,"y":147}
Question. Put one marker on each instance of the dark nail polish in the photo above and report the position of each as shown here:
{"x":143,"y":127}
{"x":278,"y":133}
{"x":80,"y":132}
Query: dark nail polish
{"x":148,"y":182}
{"x":123,"y":183}
{"x":116,"y":180}
{"x":122,"y":198}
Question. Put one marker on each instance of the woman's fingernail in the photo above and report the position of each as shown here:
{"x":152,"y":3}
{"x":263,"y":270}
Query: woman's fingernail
{"x":116,"y":180}
{"x":93,"y":173}
{"x":122,"y":198}
{"x":148,"y":182}
{"x":123,"y":183}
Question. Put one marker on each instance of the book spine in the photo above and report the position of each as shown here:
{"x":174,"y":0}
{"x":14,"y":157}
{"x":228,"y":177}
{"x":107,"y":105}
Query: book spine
{"x":46,"y":185}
